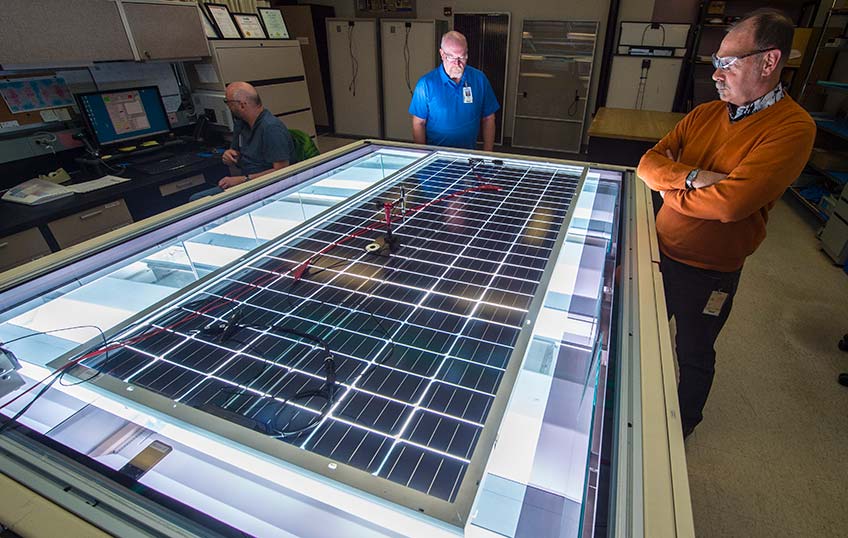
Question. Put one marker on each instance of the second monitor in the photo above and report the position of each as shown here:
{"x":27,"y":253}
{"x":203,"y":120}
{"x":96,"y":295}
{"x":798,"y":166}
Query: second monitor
{"x":116,"y":116}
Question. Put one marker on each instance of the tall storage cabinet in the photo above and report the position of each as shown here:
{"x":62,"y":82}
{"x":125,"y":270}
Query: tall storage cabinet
{"x":275,"y":67}
{"x":308,"y":25}
{"x":355,"y":76}
{"x":410,"y":50}
{"x":553,"y":84}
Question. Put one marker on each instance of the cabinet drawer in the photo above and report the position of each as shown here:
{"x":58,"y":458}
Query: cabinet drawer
{"x":260,"y":62}
{"x":300,"y":120}
{"x":90,"y":223}
{"x":22,"y":247}
{"x":279,"y":98}
{"x":180,"y":185}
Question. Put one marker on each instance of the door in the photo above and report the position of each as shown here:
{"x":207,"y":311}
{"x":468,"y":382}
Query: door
{"x":488,"y":50}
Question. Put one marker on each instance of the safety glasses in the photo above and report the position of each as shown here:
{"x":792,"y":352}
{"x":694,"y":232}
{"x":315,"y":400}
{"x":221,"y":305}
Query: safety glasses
{"x":725,"y":62}
{"x":460,"y":59}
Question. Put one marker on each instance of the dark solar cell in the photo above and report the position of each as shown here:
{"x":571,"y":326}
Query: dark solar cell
{"x":420,"y":339}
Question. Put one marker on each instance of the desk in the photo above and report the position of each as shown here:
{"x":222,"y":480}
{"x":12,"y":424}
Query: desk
{"x":622,"y":136}
{"x":141,"y":197}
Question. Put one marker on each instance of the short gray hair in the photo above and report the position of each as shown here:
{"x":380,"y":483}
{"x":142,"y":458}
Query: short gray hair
{"x":773,"y":29}
{"x":453,"y":35}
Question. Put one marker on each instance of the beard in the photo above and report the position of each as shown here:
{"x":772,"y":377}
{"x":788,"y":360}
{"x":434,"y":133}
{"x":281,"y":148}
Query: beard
{"x":456,"y":71}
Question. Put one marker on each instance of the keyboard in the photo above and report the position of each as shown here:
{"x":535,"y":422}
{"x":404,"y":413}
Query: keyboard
{"x":167,"y":163}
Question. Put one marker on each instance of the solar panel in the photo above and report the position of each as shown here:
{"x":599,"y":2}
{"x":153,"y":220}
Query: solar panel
{"x":395,"y":360}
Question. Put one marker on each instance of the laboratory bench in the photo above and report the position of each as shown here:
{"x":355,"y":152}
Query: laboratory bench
{"x":28,"y":232}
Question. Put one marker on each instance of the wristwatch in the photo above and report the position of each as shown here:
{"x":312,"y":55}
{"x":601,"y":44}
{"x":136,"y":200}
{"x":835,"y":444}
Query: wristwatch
{"x":690,"y":178}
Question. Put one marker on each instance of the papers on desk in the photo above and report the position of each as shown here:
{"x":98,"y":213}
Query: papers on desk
{"x":93,"y":185}
{"x":39,"y":191}
{"x":36,"y":191}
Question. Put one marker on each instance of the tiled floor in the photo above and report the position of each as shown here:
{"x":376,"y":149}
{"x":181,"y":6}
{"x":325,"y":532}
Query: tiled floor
{"x":771,"y":457}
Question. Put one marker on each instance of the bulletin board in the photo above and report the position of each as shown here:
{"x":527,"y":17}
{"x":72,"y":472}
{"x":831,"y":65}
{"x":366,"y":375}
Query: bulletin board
{"x":54,"y":103}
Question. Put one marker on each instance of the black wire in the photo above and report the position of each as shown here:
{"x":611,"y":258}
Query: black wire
{"x":13,"y":421}
{"x":329,"y":388}
{"x":645,"y":30}
{"x":406,"y":57}
{"x":46,"y":387}
{"x":572,"y":108}
{"x":354,"y":64}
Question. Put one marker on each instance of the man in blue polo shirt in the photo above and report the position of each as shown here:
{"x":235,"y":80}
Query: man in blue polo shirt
{"x":453,"y":102}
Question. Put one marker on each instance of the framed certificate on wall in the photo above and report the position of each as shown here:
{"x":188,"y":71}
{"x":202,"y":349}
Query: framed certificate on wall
{"x":220,"y":15}
{"x":275,"y":26}
{"x":208,"y":27}
{"x":249,"y":25}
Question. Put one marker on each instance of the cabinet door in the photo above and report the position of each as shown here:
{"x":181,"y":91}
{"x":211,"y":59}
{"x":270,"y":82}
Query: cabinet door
{"x":90,"y":223}
{"x":22,"y":247}
{"x":163,"y":32}
{"x":61,"y":32}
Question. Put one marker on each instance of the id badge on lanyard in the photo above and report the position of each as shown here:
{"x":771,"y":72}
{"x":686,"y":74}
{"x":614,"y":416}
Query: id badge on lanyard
{"x":467,"y":98}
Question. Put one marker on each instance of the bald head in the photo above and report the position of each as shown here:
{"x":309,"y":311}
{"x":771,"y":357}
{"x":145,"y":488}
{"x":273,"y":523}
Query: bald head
{"x":243,"y":91}
{"x":454,"y":38}
{"x":243,"y":101}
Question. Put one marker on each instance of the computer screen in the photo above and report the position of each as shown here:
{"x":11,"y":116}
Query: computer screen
{"x":119,"y":115}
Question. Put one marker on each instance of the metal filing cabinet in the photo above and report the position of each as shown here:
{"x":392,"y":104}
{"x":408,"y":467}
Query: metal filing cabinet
{"x":355,"y":76}
{"x":274,"y":66}
{"x":410,"y":50}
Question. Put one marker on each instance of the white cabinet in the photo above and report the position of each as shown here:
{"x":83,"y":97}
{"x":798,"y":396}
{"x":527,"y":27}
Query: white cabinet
{"x":165,"y":30}
{"x":53,"y":33}
{"x":273,"y":66}
{"x":61,"y":32}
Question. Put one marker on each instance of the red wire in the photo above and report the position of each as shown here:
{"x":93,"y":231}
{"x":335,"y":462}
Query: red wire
{"x":301,"y":269}
{"x":297,"y":274}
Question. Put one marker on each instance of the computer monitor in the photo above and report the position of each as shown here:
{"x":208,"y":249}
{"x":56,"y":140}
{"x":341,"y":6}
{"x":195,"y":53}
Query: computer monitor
{"x":116,"y":116}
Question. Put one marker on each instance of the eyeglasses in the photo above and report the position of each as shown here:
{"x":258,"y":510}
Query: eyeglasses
{"x":726,"y":62}
{"x":461,"y":59}
{"x":233,"y":101}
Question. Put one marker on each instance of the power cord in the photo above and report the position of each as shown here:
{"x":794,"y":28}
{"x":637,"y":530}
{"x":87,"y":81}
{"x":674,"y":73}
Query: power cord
{"x":643,"y":81}
{"x":354,"y":63}
{"x":653,"y":26}
{"x":54,"y":376}
{"x":406,"y":57}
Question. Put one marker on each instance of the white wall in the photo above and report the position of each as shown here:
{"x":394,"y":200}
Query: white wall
{"x":592,"y":10}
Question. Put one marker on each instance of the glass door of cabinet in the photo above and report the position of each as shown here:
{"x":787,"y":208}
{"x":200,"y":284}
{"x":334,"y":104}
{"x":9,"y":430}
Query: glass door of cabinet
{"x":555,"y":71}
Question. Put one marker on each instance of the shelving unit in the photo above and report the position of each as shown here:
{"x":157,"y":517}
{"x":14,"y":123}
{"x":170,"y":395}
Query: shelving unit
{"x":824,"y":95}
{"x":706,"y":39}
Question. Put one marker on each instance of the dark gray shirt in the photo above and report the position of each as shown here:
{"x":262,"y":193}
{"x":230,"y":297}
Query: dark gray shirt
{"x":267,"y":142}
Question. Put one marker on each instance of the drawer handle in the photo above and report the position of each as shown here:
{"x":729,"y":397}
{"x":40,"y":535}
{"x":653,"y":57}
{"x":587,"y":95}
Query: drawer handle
{"x":3,"y":245}
{"x":92,"y":214}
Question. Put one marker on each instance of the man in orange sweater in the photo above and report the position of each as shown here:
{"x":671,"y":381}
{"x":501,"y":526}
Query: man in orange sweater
{"x":720,"y":171}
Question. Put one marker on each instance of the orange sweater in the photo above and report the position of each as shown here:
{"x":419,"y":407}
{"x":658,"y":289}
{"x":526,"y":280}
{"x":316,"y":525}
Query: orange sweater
{"x":717,"y":227}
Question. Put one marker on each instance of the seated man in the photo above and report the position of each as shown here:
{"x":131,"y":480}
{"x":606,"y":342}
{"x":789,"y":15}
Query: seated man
{"x":261,"y":142}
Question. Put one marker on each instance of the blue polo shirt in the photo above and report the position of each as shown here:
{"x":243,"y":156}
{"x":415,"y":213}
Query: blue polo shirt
{"x":450,"y":120}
